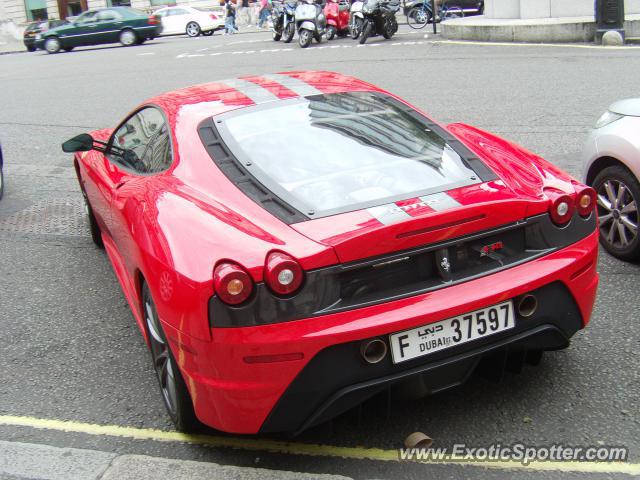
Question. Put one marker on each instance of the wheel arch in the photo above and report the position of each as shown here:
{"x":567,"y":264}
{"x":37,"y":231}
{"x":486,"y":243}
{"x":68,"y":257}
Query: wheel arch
{"x":600,"y":164}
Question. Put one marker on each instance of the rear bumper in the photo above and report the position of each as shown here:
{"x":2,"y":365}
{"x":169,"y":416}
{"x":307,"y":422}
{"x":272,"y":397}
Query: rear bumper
{"x":337,"y":378}
{"x":232,"y":395}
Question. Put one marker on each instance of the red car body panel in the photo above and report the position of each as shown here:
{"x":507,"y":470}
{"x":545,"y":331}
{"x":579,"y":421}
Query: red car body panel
{"x":172,"y":228}
{"x":255,"y":388}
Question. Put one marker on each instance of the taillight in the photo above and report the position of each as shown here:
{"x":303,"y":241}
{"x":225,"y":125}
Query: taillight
{"x":214,"y":17}
{"x":561,"y":209}
{"x":153,"y":20}
{"x":283,"y":274}
{"x":232,"y":283}
{"x":586,"y":201}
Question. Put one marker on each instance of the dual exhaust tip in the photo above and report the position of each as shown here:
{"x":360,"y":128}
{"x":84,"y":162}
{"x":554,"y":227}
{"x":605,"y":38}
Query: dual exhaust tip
{"x":527,"y":305}
{"x":375,"y":350}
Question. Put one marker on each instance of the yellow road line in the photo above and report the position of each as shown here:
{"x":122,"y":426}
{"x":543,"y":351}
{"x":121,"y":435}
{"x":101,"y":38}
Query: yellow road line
{"x":294,"y":448}
{"x":516,"y":44}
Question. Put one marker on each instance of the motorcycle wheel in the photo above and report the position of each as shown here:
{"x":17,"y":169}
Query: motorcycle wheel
{"x":417,"y":17}
{"x":289,"y":32}
{"x":366,"y":31}
{"x":331,"y":32}
{"x":391,"y":27}
{"x":277,"y":35}
{"x":356,"y":28}
{"x":304,"y":38}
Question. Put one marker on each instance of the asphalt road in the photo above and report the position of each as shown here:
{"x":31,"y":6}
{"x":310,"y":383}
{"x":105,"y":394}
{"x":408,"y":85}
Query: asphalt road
{"x":69,"y":345}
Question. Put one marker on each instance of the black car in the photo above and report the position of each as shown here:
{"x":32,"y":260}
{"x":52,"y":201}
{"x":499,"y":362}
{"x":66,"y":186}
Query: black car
{"x":105,"y":25}
{"x":469,"y":7}
{"x":34,"y":28}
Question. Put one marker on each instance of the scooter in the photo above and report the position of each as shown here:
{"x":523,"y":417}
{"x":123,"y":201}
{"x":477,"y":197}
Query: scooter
{"x":356,"y":19}
{"x":310,"y":21}
{"x":379,"y":19}
{"x":337,"y":13}
{"x":283,"y":19}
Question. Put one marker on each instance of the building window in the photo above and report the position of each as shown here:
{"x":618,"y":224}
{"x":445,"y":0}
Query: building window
{"x":36,"y":9}
{"x":119,"y":3}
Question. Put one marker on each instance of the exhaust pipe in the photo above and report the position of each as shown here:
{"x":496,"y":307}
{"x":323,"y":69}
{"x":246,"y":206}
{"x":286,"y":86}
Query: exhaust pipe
{"x":527,"y":305}
{"x":373,"y":351}
{"x":418,"y":440}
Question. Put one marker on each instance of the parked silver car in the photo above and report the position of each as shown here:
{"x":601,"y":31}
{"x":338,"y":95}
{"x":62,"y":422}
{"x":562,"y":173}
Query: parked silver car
{"x":611,"y":158}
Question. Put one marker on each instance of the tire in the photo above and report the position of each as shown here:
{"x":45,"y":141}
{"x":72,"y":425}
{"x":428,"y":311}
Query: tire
{"x":366,"y":31}
{"x":304,"y":38}
{"x":356,"y":28}
{"x":208,"y":33}
{"x":277,"y":35}
{"x":174,"y":391}
{"x":193,"y":29}
{"x":52,"y":45}
{"x":418,"y":17}
{"x":389,"y":30}
{"x":1,"y":183}
{"x":453,"y":12}
{"x":94,"y":228}
{"x":31,"y":48}
{"x":128,"y":38}
{"x":141,"y":41}
{"x":331,"y":32}
{"x":289,"y":33}
{"x":618,"y":212}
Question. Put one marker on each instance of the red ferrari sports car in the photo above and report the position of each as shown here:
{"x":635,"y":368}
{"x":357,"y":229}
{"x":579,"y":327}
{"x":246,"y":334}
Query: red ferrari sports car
{"x":292,"y":244}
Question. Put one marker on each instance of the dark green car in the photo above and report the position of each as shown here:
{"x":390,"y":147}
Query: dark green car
{"x":106,"y":25}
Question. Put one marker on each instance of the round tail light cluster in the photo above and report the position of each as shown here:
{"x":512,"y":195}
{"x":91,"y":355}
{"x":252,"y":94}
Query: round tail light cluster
{"x":283,"y":274}
{"x":561,"y":210}
{"x":563,"y":205}
{"x":232,"y":283}
{"x":586,"y":201}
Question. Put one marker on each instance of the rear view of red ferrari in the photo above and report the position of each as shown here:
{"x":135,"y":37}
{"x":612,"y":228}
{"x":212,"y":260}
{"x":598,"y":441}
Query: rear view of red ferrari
{"x":293,"y":244}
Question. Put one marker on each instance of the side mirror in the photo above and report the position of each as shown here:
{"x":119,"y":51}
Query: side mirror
{"x":79,"y":143}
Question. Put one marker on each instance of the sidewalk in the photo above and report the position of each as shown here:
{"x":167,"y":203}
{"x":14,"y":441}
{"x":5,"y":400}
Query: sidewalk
{"x":43,"y":462}
{"x":10,"y":38}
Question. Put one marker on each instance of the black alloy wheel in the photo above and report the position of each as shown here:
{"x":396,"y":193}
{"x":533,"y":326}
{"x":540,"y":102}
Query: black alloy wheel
{"x":174,"y":391}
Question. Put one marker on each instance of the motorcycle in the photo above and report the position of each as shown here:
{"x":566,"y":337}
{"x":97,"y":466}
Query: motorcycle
{"x":310,"y":21}
{"x":283,"y":19}
{"x":337,"y":14}
{"x":356,"y":19}
{"x":379,"y":19}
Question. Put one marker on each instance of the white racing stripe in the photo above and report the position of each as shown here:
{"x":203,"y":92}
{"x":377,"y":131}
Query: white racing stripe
{"x":255,"y":92}
{"x":388,"y":214}
{"x":296,"y":85}
{"x":439,"y":201}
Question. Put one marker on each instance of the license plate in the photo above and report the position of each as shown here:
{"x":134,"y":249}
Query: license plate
{"x":451,"y":332}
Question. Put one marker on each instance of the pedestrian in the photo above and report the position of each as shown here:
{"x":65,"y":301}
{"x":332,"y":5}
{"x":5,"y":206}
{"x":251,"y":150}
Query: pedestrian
{"x":230,"y":18}
{"x":244,"y":16}
{"x":265,"y":8}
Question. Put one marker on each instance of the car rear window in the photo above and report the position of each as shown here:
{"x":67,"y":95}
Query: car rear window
{"x":327,"y":154}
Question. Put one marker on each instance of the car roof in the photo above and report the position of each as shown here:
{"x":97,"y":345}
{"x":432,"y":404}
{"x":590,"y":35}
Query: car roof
{"x":246,"y":91}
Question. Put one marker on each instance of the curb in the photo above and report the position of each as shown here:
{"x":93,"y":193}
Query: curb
{"x":55,"y":463}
